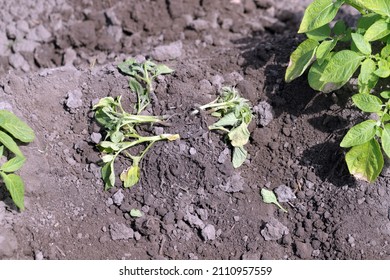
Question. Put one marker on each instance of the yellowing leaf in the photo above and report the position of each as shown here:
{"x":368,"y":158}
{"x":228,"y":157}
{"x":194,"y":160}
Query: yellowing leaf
{"x":239,"y":156}
{"x":239,"y":136}
{"x":365,"y":162}
{"x":131,"y":176}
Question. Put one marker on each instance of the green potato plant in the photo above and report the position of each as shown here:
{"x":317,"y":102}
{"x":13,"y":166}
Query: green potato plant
{"x":234,"y":113}
{"x":334,"y":53}
{"x":141,"y":78}
{"x":11,"y":128}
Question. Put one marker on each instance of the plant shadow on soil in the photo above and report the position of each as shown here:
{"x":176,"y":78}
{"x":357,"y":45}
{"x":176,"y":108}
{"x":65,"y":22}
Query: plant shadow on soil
{"x":321,"y":111}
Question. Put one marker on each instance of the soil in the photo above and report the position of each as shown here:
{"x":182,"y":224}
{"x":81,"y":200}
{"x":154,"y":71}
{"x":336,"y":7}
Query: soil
{"x":59,"y":57}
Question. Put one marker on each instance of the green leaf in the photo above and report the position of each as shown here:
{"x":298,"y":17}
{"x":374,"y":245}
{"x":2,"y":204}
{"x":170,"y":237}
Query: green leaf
{"x":314,"y":77}
{"x":16,"y":127}
{"x":110,"y":145}
{"x":385,"y":52}
{"x":341,"y":67}
{"x":270,"y":197}
{"x":319,"y":13}
{"x":227,"y":120}
{"x":385,"y":94}
{"x":383,"y":70}
{"x":131,"y":176}
{"x":239,"y":156}
{"x":239,"y":135}
{"x":135,"y":213}
{"x":367,"y":102}
{"x":377,"y":31}
{"x":386,"y":139}
{"x":365,"y":21}
{"x":339,"y":28}
{"x":10,"y":144}
{"x":359,"y":134}
{"x":108,"y":175}
{"x":365,"y":162}
{"x":162,"y":69}
{"x":108,"y":158}
{"x":361,"y":43}
{"x":15,"y":186}
{"x":367,"y":79}
{"x":381,"y":7}
{"x":127,"y":66}
{"x":13,"y":164}
{"x":105,"y":102}
{"x":1,"y":150}
{"x":324,"y":49}
{"x":320,"y":33}
{"x":300,"y":59}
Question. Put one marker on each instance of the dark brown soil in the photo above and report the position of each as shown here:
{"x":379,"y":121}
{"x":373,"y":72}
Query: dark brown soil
{"x":195,"y":204}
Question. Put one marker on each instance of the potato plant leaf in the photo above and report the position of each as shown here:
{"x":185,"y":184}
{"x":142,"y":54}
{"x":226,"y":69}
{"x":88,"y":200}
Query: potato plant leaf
{"x":15,"y":186}
{"x":365,"y":162}
{"x":320,"y":33}
{"x":131,"y":176}
{"x":270,"y":197}
{"x":108,"y":175}
{"x":383,"y":70}
{"x":341,"y":67}
{"x":381,"y":7}
{"x":16,"y":127}
{"x":359,"y":134}
{"x":10,"y":144}
{"x":300,"y":59}
{"x":135,"y":213}
{"x":239,"y":156}
{"x":367,"y":102}
{"x":324,"y":49}
{"x":386,"y":139}
{"x":377,"y":31}
{"x":361,"y":43}
{"x":239,"y":135}
{"x":13,"y":164}
{"x":319,"y":13}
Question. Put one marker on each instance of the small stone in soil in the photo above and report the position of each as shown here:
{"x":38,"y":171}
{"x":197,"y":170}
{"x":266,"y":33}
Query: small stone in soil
{"x":208,"y":232}
{"x":274,"y":230}
{"x":74,"y":99}
{"x":303,"y":250}
{"x":265,"y":113}
{"x":224,"y":156}
{"x":96,"y":137}
{"x":118,"y":197}
{"x":284,"y":193}
{"x":168,"y":52}
{"x":119,"y":231}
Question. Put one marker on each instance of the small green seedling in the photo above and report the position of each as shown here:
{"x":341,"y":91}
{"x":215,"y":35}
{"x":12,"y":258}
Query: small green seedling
{"x":269,"y":197}
{"x":121,"y":135}
{"x":334,"y":52}
{"x":11,"y":127}
{"x":141,"y":78}
{"x":234,"y":113}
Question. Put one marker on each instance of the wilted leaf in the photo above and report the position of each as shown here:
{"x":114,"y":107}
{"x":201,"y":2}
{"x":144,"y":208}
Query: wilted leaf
{"x":135,"y":213}
{"x":365,"y":162}
{"x":239,"y":156}
{"x":162,"y":69}
{"x":108,"y":175}
{"x":227,"y":120}
{"x":239,"y":136}
{"x":359,"y":134}
{"x":270,"y":197}
{"x":131,"y":176}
